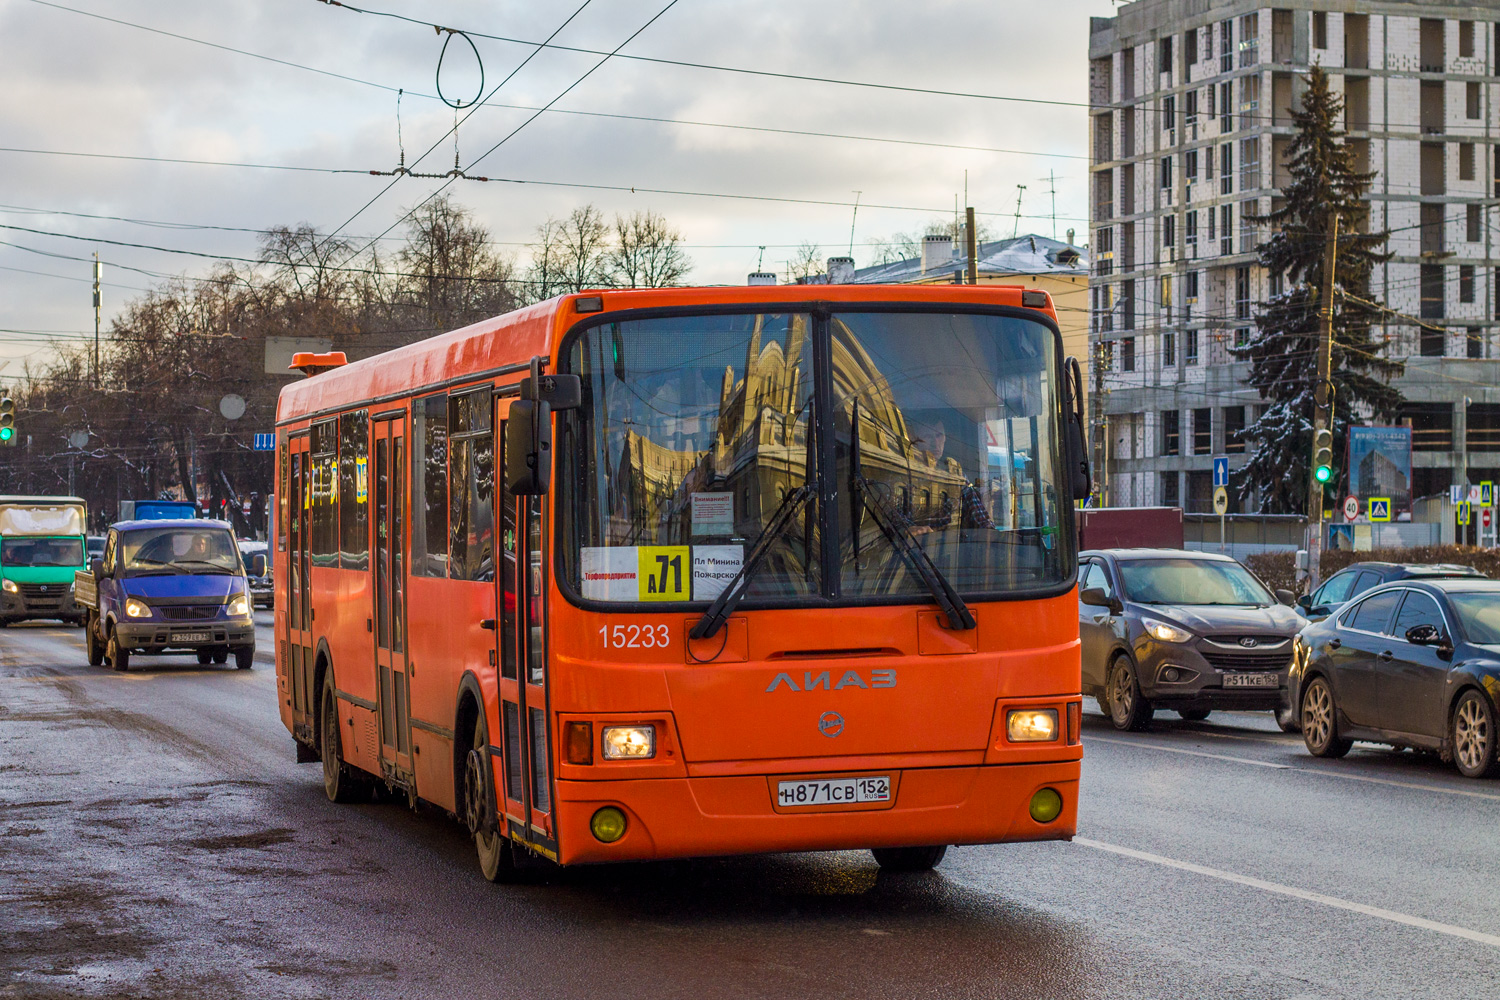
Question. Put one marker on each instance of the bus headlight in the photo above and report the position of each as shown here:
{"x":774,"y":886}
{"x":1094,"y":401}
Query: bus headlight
{"x":1031,"y":725}
{"x":239,"y":607}
{"x":10,"y":587}
{"x":137,"y":609}
{"x":629,"y":742}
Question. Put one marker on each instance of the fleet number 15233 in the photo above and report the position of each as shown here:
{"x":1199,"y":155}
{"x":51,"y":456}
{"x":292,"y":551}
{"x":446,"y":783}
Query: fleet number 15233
{"x":646,"y":636}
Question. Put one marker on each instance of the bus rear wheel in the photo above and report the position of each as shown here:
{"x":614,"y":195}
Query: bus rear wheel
{"x":339,"y":780}
{"x":909,"y":859}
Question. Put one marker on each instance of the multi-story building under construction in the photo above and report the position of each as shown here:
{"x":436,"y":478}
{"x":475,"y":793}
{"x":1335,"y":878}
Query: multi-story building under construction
{"x":1189,"y":126}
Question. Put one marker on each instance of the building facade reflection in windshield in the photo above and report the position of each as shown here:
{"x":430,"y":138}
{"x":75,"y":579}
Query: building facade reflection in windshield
{"x":694,"y":430}
{"x":958,"y":441}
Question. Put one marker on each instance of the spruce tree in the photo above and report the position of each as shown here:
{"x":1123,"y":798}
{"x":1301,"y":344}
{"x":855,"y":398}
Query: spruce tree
{"x":1283,"y":352}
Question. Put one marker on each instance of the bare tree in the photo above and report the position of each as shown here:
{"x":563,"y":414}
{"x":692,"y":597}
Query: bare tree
{"x":647,"y":252}
{"x":584,"y":241}
{"x":807,"y":262}
{"x":448,"y":271}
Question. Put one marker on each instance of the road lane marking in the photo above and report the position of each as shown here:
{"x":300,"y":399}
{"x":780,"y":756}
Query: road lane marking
{"x":1190,"y":753}
{"x":1451,"y":930}
{"x":1322,"y":772}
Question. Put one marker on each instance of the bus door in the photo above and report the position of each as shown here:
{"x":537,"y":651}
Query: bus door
{"x":521,"y":658}
{"x":390,"y":594}
{"x":298,"y":639}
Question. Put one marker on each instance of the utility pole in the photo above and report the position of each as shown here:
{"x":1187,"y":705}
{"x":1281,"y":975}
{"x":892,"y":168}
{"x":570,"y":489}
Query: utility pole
{"x":1322,"y":413}
{"x":1052,"y":182}
{"x":1020,"y":190}
{"x":98,"y":274}
{"x":972,"y":247}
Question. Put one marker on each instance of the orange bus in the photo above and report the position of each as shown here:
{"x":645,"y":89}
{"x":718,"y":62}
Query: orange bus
{"x":695,"y":571}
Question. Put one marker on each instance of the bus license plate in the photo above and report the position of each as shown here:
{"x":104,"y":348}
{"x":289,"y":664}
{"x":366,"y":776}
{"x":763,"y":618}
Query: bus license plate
{"x":1266,"y":680}
{"x":833,"y":791}
{"x":191,"y":636}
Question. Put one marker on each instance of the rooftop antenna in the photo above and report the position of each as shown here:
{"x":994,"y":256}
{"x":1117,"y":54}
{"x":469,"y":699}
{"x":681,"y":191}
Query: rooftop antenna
{"x":1052,"y":179}
{"x":1020,"y":189}
{"x":851,"y":222}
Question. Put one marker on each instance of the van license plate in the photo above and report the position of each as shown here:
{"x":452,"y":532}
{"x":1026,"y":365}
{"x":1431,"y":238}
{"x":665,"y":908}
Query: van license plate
{"x":1266,"y":680}
{"x":191,"y":636}
{"x":834,"y":791}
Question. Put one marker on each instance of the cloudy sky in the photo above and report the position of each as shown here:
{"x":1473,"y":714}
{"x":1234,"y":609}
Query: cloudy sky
{"x":313,"y":85}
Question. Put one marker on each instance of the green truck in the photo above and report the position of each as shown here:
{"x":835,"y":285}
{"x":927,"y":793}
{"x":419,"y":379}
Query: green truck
{"x":42,"y":546}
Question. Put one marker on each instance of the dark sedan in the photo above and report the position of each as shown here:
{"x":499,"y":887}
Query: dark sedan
{"x":1182,"y":630}
{"x":1356,"y":578}
{"x":1412,"y":664}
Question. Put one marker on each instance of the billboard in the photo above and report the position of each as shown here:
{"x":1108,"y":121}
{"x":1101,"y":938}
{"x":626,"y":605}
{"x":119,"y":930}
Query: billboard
{"x":1380,"y":469}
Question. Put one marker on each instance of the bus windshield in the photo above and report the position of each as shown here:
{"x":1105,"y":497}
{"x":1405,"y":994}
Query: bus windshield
{"x":938,"y":432}
{"x":148,"y":551}
{"x":52,"y":552}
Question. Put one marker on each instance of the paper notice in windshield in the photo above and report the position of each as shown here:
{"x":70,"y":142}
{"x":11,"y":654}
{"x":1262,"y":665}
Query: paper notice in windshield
{"x":713,"y":567}
{"x":610,"y":574}
{"x":713,"y":514}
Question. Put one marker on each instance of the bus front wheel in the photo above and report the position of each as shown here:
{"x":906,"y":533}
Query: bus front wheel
{"x":497,"y":858}
{"x":908,"y":859}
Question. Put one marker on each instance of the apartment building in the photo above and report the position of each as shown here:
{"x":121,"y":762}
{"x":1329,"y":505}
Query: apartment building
{"x":1188,"y":133}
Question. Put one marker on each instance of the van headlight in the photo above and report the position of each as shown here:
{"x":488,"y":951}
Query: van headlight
{"x":1164,"y":632}
{"x":239,"y":607}
{"x":10,"y":587}
{"x":137,"y":609}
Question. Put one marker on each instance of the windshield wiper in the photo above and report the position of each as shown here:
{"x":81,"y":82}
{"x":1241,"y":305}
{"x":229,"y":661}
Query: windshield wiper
{"x":960,"y":618}
{"x":723,"y":606}
{"x":734,"y":591}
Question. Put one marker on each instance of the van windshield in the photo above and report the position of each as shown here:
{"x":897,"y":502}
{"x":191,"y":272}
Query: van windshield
{"x":37,"y":552}
{"x":148,"y":551}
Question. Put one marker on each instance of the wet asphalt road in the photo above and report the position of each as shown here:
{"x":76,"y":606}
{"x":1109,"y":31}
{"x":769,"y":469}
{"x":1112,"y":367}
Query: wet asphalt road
{"x":157,"y":840}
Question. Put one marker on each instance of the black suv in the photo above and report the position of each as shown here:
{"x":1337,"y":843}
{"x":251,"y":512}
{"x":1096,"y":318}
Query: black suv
{"x":1190,"y":631}
{"x":1356,"y":578}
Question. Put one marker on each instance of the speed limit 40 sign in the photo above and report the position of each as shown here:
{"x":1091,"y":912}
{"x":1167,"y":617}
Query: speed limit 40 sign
{"x":1351,"y":508}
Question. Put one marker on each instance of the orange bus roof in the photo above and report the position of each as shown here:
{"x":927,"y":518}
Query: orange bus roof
{"x":514,"y":338}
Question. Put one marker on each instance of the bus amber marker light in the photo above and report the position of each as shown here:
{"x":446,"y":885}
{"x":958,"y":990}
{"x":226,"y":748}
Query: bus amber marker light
{"x":608,"y":825}
{"x":629,"y":742}
{"x":1046,"y":805}
{"x":1031,"y":725}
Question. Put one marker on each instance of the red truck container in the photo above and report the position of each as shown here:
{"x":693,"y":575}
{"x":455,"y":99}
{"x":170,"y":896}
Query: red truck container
{"x":1130,"y":528}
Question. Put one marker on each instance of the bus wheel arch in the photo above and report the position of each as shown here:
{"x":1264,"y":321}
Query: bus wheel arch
{"x":322,"y":667}
{"x":466,"y":717}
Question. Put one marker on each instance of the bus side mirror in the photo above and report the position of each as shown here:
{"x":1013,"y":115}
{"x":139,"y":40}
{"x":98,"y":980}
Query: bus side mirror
{"x":1077,"y":442}
{"x":258,"y":564}
{"x":561,"y":392}
{"x":528,"y":447}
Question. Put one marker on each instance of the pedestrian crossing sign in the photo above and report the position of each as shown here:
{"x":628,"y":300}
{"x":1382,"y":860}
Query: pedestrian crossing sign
{"x":1380,"y":508}
{"x":1486,"y":494}
{"x":1463,"y":513}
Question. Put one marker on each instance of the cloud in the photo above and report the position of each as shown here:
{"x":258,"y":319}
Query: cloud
{"x":83,"y":84}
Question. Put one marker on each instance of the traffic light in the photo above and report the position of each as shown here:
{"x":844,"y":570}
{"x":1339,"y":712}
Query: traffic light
{"x":7,"y":419}
{"x":1323,"y":455}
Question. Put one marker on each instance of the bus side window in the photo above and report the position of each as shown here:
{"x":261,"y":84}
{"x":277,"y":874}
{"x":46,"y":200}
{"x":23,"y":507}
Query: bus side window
{"x":471,"y":476}
{"x":324,"y":521}
{"x":354,"y":490}
{"x":283,"y":480}
{"x":429,"y":487}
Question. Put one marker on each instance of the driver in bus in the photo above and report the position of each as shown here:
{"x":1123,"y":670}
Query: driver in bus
{"x":929,"y":438}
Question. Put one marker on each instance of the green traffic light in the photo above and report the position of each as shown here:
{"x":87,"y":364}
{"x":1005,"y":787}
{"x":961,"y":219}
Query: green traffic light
{"x":1323,"y":473}
{"x":6,"y":433}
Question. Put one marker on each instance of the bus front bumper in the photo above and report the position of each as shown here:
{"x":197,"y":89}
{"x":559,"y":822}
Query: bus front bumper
{"x":705,"y":816}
